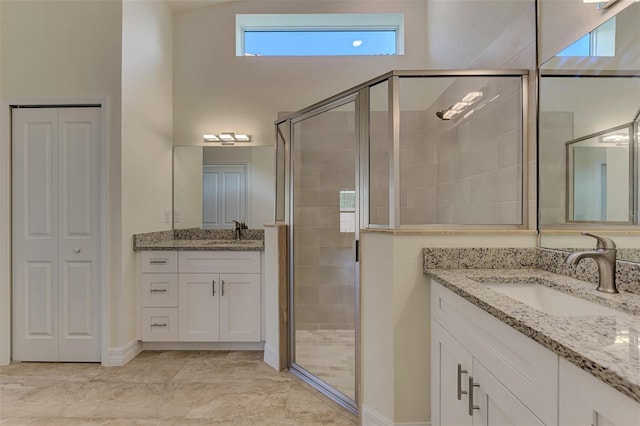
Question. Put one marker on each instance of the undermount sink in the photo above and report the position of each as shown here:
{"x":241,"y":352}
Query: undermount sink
{"x":550,"y":301}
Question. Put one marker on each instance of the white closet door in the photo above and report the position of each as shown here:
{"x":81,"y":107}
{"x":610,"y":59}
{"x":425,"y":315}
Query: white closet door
{"x":224,"y":195}
{"x":56,"y":234}
{"x":35,"y":235}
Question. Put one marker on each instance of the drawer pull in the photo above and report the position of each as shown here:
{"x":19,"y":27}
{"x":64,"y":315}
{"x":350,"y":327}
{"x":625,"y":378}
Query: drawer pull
{"x":222,"y":288}
{"x":158,"y":290}
{"x":213,"y":287}
{"x":471,"y":386}
{"x":460,"y":373}
{"x":161,"y":324}
{"x":158,"y":261}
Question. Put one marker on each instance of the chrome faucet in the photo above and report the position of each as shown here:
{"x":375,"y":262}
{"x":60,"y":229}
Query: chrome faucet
{"x":605,"y":257}
{"x":238,"y":229}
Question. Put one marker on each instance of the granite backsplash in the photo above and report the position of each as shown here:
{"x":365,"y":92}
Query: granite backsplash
{"x":627,"y":273}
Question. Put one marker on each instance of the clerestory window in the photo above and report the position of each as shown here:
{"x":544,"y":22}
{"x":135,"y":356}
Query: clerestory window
{"x":320,"y":34}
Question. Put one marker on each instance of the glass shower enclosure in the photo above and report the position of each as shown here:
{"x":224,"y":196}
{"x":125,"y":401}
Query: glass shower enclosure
{"x":406,"y":150}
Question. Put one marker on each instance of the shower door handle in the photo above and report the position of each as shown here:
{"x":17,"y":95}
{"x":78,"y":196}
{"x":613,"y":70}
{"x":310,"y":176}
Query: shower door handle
{"x":356,"y":250}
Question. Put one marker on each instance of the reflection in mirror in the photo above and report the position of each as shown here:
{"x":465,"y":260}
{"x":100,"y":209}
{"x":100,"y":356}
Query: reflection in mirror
{"x":598,"y":177}
{"x":589,"y":101}
{"x":212,"y":186}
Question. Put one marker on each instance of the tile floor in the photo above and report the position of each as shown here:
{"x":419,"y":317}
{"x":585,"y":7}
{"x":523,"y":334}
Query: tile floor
{"x":330,"y":355}
{"x":163,"y":388}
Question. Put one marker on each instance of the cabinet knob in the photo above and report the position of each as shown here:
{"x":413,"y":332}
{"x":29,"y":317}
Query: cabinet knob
{"x":77,"y":250}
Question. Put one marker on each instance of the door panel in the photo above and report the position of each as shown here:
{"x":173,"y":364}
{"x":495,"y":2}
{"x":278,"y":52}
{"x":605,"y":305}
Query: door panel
{"x":325,"y":226}
{"x":497,"y":405}
{"x":198,"y":301}
{"x":35,"y":235}
{"x":240,"y":313}
{"x":56,"y":234}
{"x":452,"y":409}
{"x":224,"y":195}
{"x":79,"y":236}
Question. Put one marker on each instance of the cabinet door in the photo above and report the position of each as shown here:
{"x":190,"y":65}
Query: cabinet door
{"x":240,"y":312}
{"x":585,"y":400}
{"x":496,"y":405}
{"x":198,"y":303}
{"x":451,"y":365}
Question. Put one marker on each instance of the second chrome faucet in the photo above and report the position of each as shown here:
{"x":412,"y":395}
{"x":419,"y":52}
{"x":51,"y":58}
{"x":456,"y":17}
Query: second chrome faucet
{"x":605,"y":257}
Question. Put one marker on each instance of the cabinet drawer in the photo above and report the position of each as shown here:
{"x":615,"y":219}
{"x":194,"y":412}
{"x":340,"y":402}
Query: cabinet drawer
{"x":159,"y":290}
{"x":247,"y":262}
{"x":159,"y":261}
{"x":160,"y":324}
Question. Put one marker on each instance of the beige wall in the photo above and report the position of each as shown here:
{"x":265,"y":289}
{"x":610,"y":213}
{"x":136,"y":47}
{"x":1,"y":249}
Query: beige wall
{"x":147,"y":81}
{"x":69,"y":50}
{"x":216,"y":91}
{"x":556,"y":32}
{"x":396,"y":320}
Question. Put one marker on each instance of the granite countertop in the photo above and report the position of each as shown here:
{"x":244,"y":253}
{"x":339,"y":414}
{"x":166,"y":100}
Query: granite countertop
{"x":200,"y":239}
{"x":218,"y":245}
{"x":606,"y":346}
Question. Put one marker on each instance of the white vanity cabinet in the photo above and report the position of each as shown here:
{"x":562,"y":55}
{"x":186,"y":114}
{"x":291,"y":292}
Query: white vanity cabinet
{"x":201,"y":296}
{"x":485,"y":373}
{"x":585,"y":400}
{"x":507,"y":378}
{"x":159,"y":296}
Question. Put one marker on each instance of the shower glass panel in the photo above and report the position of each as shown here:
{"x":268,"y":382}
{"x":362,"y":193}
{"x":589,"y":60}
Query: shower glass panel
{"x":598,"y":177}
{"x":461,"y":150}
{"x":325,"y":226}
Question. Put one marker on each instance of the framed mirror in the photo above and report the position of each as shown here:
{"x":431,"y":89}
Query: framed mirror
{"x":213,"y":185}
{"x":589,"y":107}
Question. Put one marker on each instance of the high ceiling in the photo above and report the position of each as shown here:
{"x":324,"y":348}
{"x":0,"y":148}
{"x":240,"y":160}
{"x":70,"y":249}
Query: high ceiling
{"x":177,"y":5}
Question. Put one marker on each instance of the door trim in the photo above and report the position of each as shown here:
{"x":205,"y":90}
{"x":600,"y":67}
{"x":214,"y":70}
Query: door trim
{"x":5,"y":213}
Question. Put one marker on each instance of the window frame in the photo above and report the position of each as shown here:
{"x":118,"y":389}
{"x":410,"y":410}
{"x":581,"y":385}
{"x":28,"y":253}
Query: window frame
{"x":320,"y":22}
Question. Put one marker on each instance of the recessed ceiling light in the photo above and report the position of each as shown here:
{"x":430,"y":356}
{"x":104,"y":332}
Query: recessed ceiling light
{"x":356,"y":43}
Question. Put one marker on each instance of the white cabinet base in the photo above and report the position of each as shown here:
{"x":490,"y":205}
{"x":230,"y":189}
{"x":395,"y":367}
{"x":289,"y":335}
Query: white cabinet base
{"x":585,"y":400}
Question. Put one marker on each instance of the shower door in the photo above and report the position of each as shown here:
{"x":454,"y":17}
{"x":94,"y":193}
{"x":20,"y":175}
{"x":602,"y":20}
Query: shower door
{"x":324,"y":249}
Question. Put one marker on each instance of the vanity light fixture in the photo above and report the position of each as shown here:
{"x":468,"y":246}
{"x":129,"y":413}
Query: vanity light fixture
{"x":227,"y":138}
{"x":616,"y":137}
{"x":460,"y":106}
{"x":471,"y":97}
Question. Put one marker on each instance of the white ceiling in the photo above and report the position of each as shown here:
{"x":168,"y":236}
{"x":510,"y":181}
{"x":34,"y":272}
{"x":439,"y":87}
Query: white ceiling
{"x":177,"y":5}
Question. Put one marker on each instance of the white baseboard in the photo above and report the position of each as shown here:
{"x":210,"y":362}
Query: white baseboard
{"x":371,"y":417}
{"x":272,"y":358}
{"x":203,"y":346}
{"x":120,"y":356}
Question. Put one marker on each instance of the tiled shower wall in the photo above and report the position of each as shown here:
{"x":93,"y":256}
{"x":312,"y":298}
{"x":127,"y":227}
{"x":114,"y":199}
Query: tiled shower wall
{"x":465,"y":170}
{"x":325,"y":273}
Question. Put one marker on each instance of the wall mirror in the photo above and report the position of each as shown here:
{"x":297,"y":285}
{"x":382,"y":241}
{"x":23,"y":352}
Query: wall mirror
{"x":214,"y":185}
{"x":589,"y":106}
